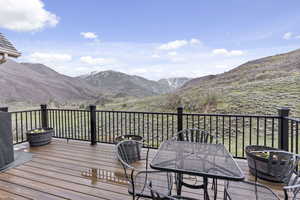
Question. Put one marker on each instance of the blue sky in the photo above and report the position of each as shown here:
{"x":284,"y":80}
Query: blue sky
{"x":154,"y":38}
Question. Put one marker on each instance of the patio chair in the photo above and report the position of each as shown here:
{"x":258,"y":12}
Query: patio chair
{"x":194,"y":135}
{"x":286,"y":165}
{"x":128,"y":153}
{"x":158,"y":196}
{"x":200,"y":136}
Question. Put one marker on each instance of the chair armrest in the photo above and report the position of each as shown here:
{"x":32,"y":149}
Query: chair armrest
{"x":126,"y":165}
{"x":291,"y":187}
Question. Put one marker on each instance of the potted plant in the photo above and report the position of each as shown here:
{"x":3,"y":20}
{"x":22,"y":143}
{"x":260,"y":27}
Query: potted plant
{"x":266,"y":163}
{"x":39,"y":136}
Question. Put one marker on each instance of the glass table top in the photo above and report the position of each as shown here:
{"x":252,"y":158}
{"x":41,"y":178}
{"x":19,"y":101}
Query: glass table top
{"x":208,"y":160}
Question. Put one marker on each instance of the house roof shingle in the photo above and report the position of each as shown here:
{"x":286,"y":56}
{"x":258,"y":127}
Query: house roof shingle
{"x":7,"y":47}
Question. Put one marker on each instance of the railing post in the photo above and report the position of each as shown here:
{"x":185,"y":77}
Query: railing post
{"x":44,"y":116}
{"x":4,"y":109}
{"x":93,"y":124}
{"x":283,"y":129}
{"x":179,"y":119}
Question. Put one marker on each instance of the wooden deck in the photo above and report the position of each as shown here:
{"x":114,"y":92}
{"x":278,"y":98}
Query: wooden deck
{"x":76,"y":170}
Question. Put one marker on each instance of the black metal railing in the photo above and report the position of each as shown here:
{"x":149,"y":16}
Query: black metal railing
{"x":293,"y":132}
{"x":154,"y":127}
{"x":23,"y":121}
{"x":234,"y":131}
{"x":237,"y":131}
{"x":70,"y":124}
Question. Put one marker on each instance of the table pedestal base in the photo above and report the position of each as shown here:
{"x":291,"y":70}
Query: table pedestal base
{"x":204,"y":186}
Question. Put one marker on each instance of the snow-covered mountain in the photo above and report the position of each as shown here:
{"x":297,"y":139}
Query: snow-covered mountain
{"x":175,"y":82}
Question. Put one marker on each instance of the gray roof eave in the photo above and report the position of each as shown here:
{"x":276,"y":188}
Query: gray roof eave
{"x":10,"y":53}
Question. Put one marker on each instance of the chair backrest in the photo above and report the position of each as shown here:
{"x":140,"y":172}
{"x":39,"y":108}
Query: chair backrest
{"x":283,"y":165}
{"x":194,"y":135}
{"x":128,"y":152}
{"x":292,"y":178}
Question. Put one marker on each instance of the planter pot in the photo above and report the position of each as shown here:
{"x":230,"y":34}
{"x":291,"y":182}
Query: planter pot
{"x":129,"y":137}
{"x":264,"y":168}
{"x":39,"y":137}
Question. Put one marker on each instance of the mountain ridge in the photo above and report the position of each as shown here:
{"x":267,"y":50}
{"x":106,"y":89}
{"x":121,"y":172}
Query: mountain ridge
{"x":119,"y":84}
{"x":260,"y":86}
{"x":37,"y":83}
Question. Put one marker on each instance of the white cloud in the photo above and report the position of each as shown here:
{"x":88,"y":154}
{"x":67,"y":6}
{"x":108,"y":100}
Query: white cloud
{"x":97,"y":61}
{"x":290,"y":36}
{"x":236,"y":53}
{"x":287,"y":35}
{"x":173,"y":45}
{"x":137,"y":58}
{"x":227,"y":52}
{"x":177,"y":59}
{"x":29,"y":15}
{"x":195,"y":41}
{"x":155,"y":56}
{"x":178,"y":44}
{"x":172,"y":53}
{"x":89,"y":35}
{"x":222,"y":67}
{"x":49,"y":57}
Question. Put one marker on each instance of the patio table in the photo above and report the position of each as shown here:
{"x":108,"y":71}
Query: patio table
{"x":198,"y":159}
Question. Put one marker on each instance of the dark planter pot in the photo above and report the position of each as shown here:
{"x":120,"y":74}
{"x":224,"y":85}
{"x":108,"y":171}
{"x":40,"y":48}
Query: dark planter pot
{"x":40,"y":138}
{"x":129,"y":137}
{"x":264,"y":168}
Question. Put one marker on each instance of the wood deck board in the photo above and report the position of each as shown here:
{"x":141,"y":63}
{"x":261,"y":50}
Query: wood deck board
{"x":59,"y":171}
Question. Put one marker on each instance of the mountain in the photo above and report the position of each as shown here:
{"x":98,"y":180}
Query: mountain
{"x":268,"y":68}
{"x":119,"y":84}
{"x":173,"y":83}
{"x":259,"y":86}
{"x":37,"y":83}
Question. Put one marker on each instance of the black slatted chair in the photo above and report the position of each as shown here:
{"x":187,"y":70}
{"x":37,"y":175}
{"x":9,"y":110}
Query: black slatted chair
{"x":194,"y":135}
{"x":128,"y":153}
{"x":200,"y":136}
{"x":284,"y":166}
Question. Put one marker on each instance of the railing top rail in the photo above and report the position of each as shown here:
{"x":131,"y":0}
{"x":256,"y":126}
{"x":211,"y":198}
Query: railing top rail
{"x":172,"y":113}
{"x":138,"y":112}
{"x":232,"y":115}
{"x":167,"y":113}
{"x":59,"y":109}
{"x":22,"y":111}
{"x":293,"y":119}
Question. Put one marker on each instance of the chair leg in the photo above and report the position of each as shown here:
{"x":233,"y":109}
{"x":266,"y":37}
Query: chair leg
{"x":205,"y":183}
{"x":215,"y":186}
{"x":225,"y":196}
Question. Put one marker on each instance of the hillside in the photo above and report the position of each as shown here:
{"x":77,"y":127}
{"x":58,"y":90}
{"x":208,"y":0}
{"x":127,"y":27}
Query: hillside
{"x":119,"y":84}
{"x":258,"y":86}
{"x":37,"y":83}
